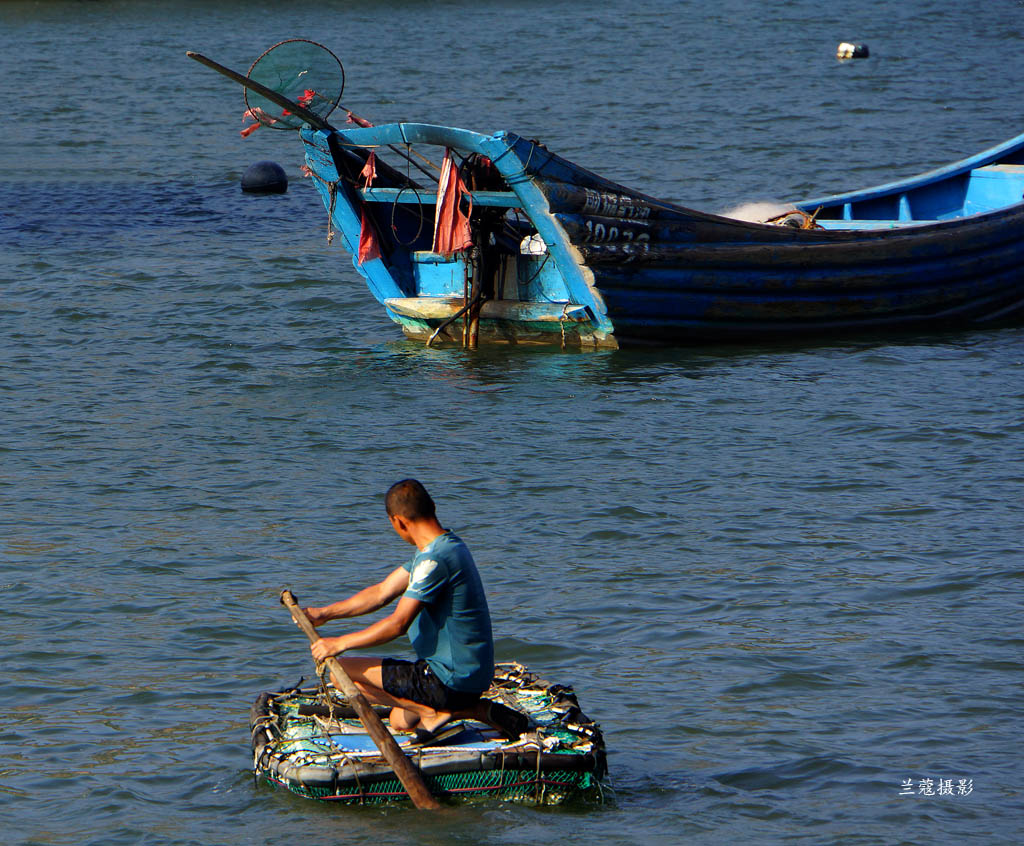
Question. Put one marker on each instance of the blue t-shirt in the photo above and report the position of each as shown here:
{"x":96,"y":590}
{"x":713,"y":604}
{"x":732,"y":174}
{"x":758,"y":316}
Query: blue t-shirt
{"x":452,"y":632}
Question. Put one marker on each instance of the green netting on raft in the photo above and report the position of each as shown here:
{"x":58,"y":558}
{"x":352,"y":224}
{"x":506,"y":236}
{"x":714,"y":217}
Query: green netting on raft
{"x":552,"y":788}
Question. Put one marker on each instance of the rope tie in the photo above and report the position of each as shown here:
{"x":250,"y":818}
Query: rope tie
{"x":344,"y":757}
{"x":332,"y":189}
{"x":561,"y":322}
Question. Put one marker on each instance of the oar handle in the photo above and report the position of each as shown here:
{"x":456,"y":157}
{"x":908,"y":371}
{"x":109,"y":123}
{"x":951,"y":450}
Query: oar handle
{"x":408,"y":774}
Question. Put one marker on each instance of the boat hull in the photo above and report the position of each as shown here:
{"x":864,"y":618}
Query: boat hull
{"x":817,"y":283}
{"x":573,"y":259}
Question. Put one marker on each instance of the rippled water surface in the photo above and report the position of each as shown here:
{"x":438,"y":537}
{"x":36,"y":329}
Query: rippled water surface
{"x":785,"y":580}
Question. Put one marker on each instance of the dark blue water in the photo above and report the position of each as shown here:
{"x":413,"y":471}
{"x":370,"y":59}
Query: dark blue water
{"x":787,"y":581}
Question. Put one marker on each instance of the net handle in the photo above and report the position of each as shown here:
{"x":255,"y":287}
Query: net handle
{"x":312,"y":118}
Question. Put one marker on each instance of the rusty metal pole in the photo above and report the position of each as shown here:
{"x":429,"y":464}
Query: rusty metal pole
{"x":476,"y":258}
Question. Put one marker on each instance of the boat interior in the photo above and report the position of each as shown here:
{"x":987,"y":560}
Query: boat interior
{"x":510,"y":266}
{"x":931,"y":198}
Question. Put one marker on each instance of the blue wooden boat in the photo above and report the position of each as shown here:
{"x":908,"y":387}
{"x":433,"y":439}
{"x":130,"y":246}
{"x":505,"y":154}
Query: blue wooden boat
{"x":465,"y":237}
{"x":561,"y":255}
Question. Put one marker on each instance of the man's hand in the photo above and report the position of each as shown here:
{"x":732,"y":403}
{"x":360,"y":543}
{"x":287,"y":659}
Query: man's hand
{"x":326,"y":647}
{"x":316,"y":616}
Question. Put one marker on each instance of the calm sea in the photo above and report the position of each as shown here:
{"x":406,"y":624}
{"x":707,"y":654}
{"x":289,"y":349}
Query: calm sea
{"x":786,"y":580}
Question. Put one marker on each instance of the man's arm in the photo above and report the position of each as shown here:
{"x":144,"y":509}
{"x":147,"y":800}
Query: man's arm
{"x":392,"y":626}
{"x":366,"y":601}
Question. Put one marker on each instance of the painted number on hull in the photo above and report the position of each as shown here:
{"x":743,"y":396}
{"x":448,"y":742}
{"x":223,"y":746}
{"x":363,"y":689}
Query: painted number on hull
{"x":598,"y":233}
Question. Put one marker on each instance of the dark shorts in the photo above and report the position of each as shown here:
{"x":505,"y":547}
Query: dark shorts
{"x":417,"y":683}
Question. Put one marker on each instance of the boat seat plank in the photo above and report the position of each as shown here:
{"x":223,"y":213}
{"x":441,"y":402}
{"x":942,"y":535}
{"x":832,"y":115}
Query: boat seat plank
{"x":872,"y":224}
{"x":414,"y":196}
{"x":441,"y":308}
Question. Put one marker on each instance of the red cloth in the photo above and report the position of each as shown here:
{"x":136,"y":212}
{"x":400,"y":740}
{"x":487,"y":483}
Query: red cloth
{"x":251,"y":114}
{"x":369,"y":246}
{"x":369,"y":171}
{"x":358,"y":121}
{"x":451,"y":226}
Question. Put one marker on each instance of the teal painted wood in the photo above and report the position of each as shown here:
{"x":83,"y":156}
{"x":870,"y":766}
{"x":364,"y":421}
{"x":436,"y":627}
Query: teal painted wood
{"x":414,"y":196}
{"x":945,"y":248}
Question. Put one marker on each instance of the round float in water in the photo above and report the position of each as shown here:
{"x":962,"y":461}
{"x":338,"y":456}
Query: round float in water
{"x":846,"y":50}
{"x":264,"y":178}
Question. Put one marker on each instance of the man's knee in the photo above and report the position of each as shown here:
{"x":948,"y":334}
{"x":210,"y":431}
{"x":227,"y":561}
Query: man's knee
{"x":364,"y":671}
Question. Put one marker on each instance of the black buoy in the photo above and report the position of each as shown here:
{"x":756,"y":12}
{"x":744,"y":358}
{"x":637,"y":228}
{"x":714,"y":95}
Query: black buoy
{"x":264,"y":178}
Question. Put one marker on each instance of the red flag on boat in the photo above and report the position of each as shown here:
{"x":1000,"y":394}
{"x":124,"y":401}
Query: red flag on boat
{"x":451,"y":226}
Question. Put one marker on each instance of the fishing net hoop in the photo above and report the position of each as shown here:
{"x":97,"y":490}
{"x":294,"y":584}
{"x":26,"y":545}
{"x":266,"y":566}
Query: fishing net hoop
{"x":324,"y":105}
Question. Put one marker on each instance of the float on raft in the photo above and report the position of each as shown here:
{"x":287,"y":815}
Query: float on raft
{"x":317,"y":748}
{"x":467,"y":237}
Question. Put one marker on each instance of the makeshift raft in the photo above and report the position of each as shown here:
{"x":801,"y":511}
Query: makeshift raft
{"x":317,"y":748}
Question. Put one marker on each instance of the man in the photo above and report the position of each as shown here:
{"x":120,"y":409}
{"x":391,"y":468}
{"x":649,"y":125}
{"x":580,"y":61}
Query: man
{"x":444,"y":610}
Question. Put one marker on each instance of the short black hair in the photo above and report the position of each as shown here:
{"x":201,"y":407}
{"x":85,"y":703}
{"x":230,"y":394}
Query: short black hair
{"x":409,"y":499}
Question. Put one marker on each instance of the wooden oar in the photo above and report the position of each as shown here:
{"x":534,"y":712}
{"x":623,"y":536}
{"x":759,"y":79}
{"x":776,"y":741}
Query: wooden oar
{"x":408,"y":774}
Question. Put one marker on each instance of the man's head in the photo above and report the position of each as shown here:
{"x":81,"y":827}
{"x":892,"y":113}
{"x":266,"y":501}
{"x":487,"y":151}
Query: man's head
{"x":411,"y":511}
{"x":409,"y":500}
